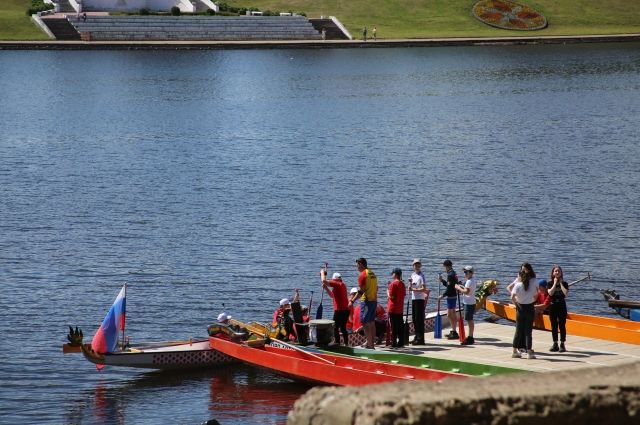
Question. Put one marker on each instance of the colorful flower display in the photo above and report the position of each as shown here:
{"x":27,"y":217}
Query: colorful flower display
{"x":508,"y":15}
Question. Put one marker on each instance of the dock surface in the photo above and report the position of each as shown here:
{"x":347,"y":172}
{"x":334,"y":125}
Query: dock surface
{"x":493,"y":345}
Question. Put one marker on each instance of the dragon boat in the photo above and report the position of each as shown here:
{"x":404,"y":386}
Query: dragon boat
{"x":421,"y":361}
{"x":300,"y":364}
{"x":627,"y":309}
{"x":585,"y":325}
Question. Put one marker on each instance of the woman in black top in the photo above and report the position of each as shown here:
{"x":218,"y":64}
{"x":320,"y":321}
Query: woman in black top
{"x":558,"y":309}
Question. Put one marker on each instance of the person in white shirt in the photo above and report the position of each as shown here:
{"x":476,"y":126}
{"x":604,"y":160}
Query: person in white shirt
{"x":523,"y":294}
{"x":418,"y":289}
{"x":469,"y":300}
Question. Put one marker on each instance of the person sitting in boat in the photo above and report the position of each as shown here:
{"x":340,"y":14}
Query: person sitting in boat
{"x":381,"y":321}
{"x":283,"y":321}
{"x":542,"y":298}
{"x":224,"y":318}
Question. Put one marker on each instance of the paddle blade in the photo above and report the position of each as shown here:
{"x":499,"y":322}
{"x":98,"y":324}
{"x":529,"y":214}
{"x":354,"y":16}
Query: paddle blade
{"x":437,"y":328}
{"x":319,"y":311}
{"x":461,"y":328}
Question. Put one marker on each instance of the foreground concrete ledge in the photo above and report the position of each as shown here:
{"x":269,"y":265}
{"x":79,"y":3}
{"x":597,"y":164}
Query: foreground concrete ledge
{"x":585,"y":396}
{"x":328,"y":44}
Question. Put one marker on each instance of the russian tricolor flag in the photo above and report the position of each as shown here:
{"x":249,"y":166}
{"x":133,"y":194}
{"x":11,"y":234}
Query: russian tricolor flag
{"x":106,"y":338}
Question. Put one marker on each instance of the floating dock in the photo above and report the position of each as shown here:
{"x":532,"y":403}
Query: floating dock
{"x":493,"y":345}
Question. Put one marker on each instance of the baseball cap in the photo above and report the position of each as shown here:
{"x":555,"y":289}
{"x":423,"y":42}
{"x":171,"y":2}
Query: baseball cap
{"x":223,"y":316}
{"x":542,"y":282}
{"x":284,"y":301}
{"x":416,"y":261}
{"x":468,"y":269}
{"x":336,"y":276}
{"x":397,"y":271}
{"x":354,"y":290}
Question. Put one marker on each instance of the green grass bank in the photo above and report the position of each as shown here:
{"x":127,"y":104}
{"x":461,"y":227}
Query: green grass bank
{"x":15,"y":24}
{"x":408,"y":19}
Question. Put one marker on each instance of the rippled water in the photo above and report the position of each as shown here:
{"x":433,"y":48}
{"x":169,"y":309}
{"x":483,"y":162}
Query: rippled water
{"x":203,"y":178}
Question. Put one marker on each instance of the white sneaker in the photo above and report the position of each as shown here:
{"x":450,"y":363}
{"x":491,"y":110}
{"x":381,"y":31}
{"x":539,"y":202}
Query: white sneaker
{"x":516,"y":355}
{"x":530,"y":355}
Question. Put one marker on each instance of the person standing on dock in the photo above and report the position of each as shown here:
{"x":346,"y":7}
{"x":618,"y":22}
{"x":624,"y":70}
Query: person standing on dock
{"x":338,"y":294}
{"x":368,"y":291}
{"x":364,"y":33}
{"x":523,"y":294}
{"x":558,"y":309}
{"x":468,"y":290}
{"x":450,"y":294}
{"x":395,"y":307}
{"x":418,"y":289}
{"x":374,"y":33}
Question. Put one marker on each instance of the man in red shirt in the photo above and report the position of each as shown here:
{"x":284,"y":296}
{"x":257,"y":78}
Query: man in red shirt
{"x":396,"y":292}
{"x":338,"y":294}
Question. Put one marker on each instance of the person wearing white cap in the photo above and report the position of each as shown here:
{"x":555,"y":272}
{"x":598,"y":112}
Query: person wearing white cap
{"x":282,"y":320}
{"x":418,"y":289}
{"x":353,"y":323}
{"x":224,"y":318}
{"x":468,"y":291}
{"x":338,"y":294}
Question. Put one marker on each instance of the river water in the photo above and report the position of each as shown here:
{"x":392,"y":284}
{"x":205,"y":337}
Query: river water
{"x":210,"y":177}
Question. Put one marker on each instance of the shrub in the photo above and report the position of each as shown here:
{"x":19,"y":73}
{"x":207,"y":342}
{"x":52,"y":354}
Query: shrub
{"x":38,"y":6}
{"x":175,"y":11}
{"x":223,"y":7}
{"x":266,"y":13}
{"x":301,"y":14}
{"x":144,"y":11}
{"x":211,"y":12}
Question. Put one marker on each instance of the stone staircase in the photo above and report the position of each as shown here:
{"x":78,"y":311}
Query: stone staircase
{"x":333,"y":32}
{"x":62,"y":29}
{"x":194,"y":28}
{"x":65,"y":7}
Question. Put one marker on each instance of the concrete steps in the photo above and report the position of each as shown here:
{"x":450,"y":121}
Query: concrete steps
{"x":197,"y":28}
{"x":62,"y":29}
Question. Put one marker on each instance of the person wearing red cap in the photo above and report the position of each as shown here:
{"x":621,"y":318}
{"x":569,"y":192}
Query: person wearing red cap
{"x":338,"y":294}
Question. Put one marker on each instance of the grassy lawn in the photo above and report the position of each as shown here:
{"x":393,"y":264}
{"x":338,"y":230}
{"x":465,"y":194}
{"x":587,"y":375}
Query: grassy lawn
{"x":452,"y":18}
{"x":15,"y":24}
{"x":408,"y":18}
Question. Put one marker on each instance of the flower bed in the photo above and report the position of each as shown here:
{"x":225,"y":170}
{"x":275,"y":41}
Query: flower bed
{"x":508,"y":15}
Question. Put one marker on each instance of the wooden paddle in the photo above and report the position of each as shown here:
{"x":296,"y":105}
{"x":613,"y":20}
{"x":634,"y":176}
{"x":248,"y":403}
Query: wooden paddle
{"x":587,"y":277}
{"x":319,"y":311}
{"x":461,"y":334}
{"x":406,"y":319}
{"x":258,"y":331}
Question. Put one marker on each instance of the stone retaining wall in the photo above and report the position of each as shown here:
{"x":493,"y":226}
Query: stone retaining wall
{"x":608,"y":395}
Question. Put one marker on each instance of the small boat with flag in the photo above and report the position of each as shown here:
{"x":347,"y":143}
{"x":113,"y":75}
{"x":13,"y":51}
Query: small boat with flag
{"x":107,"y":349}
{"x":307,"y":365}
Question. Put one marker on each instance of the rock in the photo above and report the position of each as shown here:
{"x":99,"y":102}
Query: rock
{"x":584,"y":396}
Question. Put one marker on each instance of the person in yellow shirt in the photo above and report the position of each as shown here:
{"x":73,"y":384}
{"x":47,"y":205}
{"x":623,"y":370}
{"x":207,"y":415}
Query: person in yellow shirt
{"x":368,"y":293}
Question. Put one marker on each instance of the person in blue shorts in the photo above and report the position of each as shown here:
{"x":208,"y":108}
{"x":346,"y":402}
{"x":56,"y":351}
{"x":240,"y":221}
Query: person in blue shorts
{"x":368,"y":293}
{"x":451,"y":294}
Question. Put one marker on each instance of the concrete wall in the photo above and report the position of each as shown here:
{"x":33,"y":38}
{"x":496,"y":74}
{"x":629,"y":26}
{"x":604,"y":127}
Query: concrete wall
{"x":608,"y":395}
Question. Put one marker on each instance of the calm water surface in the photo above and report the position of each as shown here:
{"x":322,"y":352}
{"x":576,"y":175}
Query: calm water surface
{"x":203,"y":178}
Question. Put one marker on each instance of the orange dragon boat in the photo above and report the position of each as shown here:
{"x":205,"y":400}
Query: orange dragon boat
{"x":598,"y":327}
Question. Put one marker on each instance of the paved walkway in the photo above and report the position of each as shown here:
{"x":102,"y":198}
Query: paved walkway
{"x":493,"y":346}
{"x":278,"y":44}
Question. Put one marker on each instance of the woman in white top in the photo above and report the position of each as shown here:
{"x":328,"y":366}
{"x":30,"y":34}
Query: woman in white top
{"x":523,"y":294}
